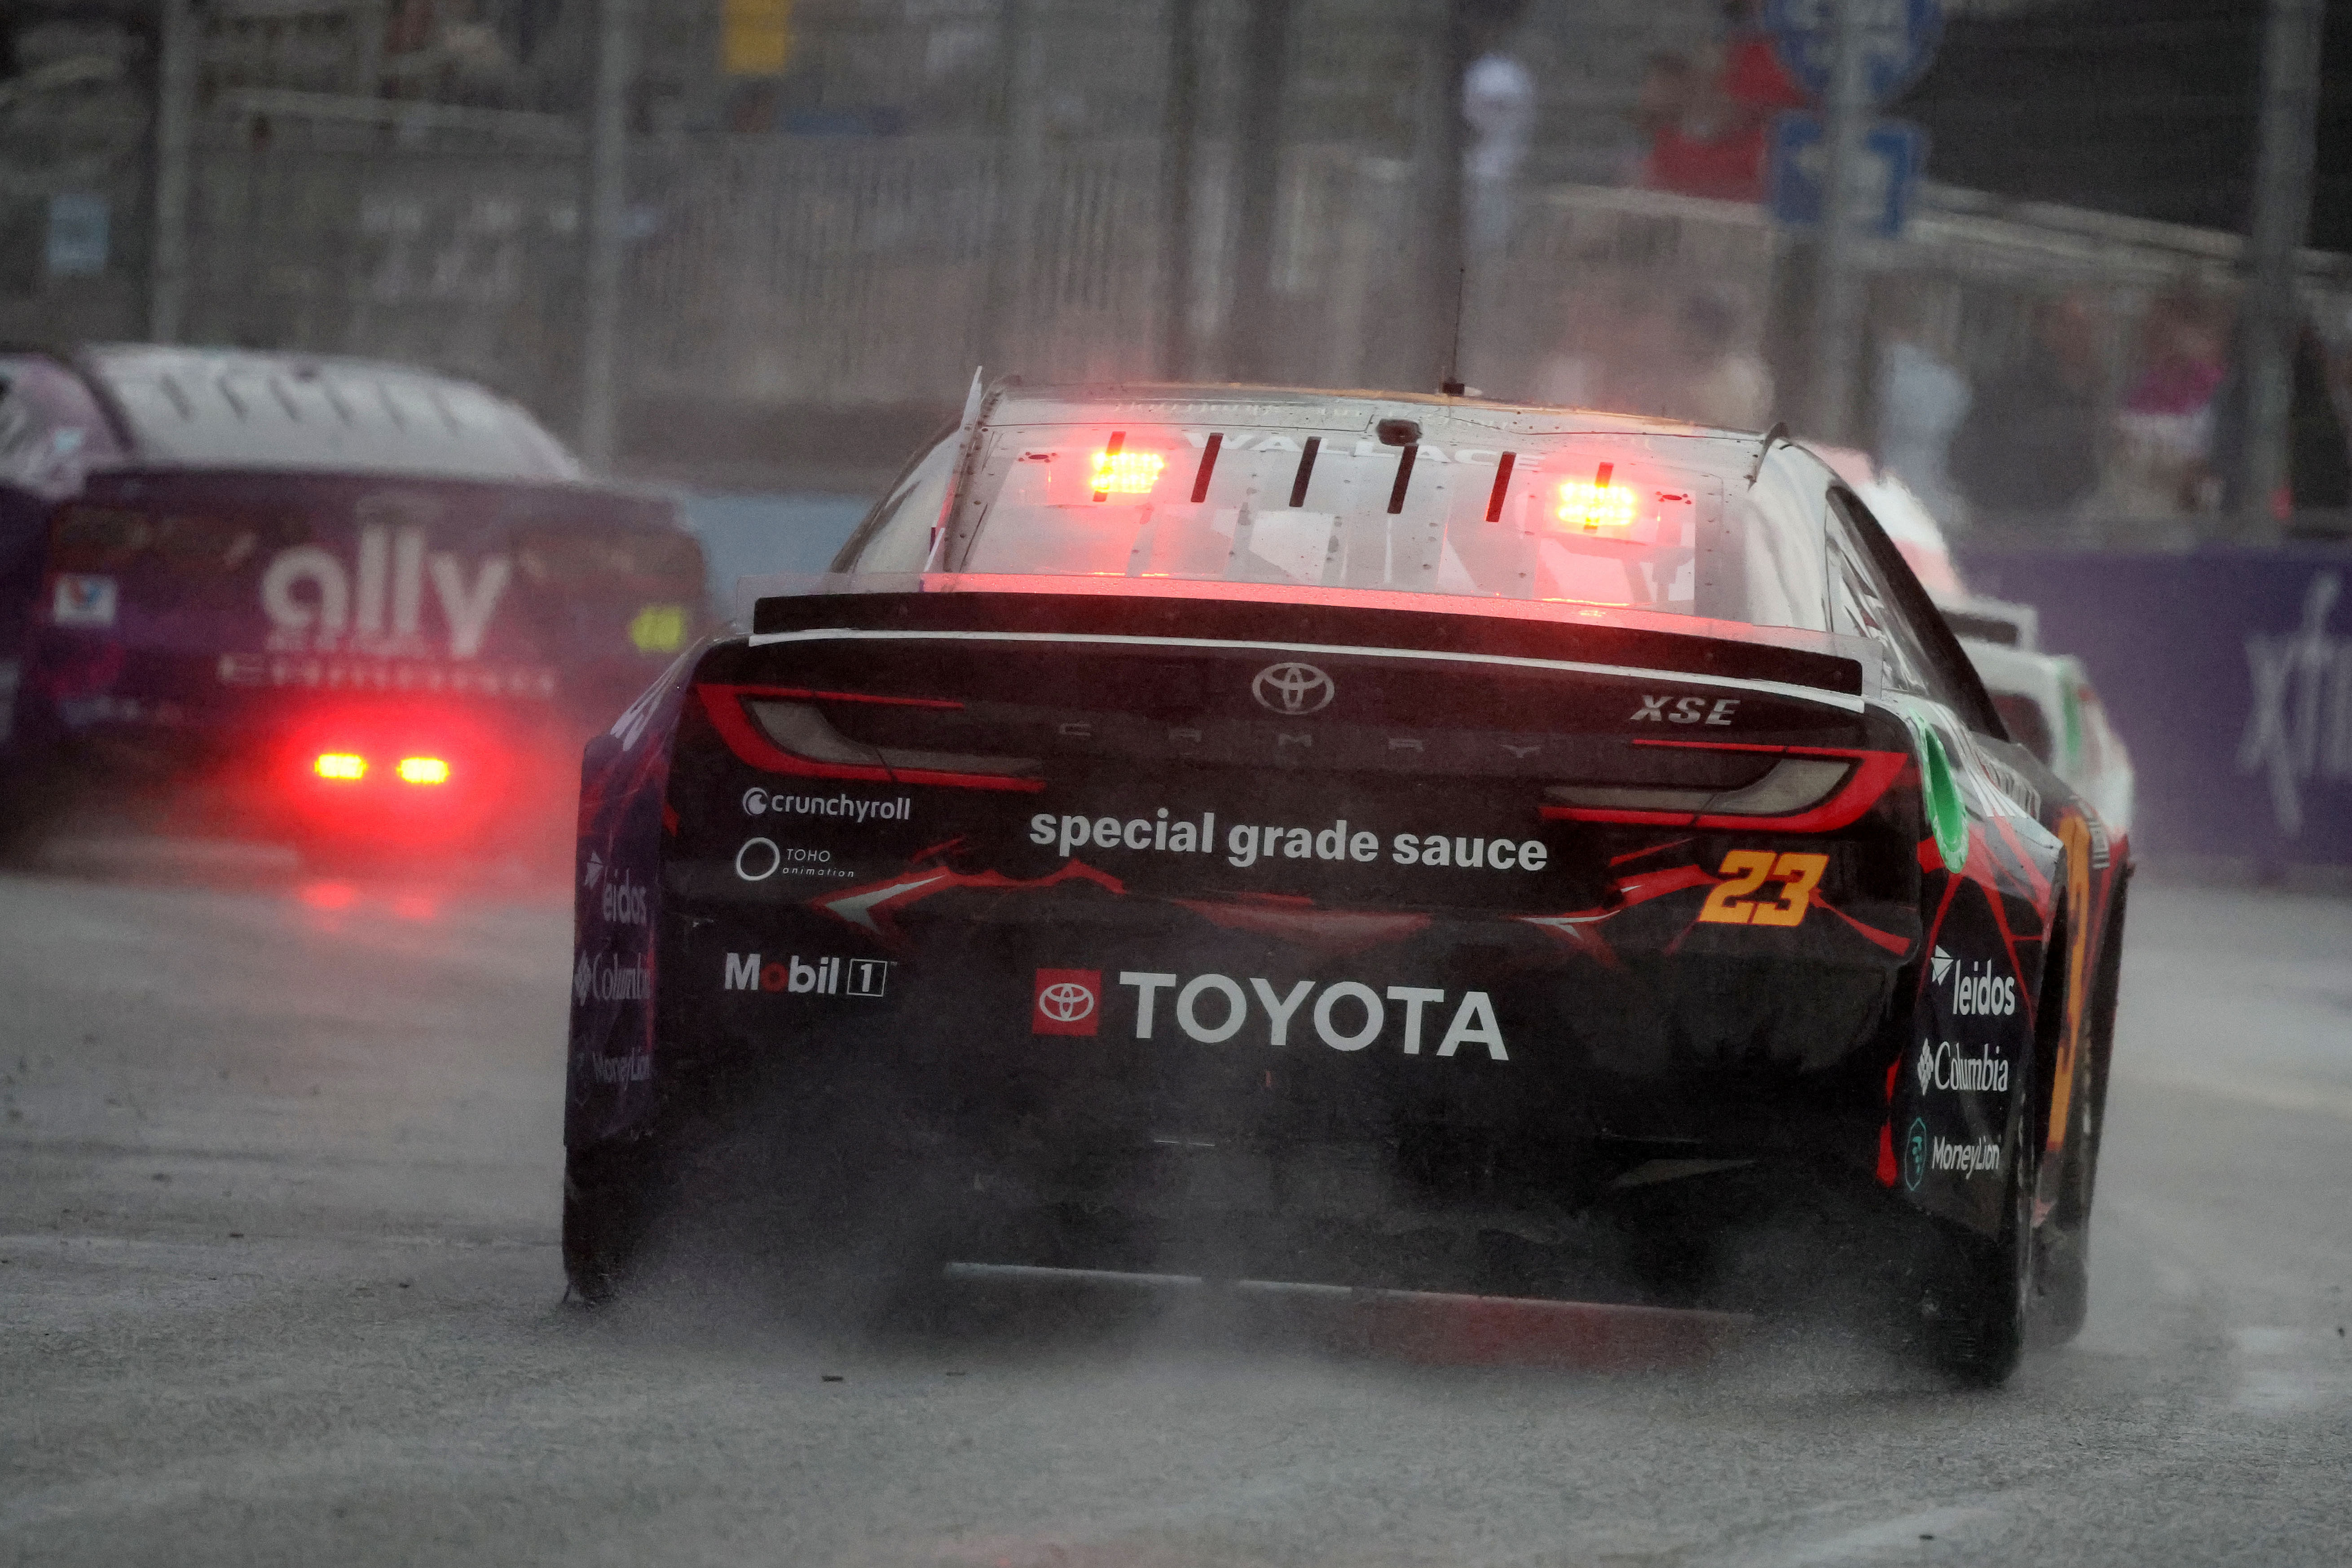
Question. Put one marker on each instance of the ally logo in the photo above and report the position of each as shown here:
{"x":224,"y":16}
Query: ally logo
{"x":313,"y":593}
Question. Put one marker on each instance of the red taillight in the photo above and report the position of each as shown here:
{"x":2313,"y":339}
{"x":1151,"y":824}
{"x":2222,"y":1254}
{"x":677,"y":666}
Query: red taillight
{"x":345,"y":766}
{"x":1809,"y":789}
{"x":424,"y":771}
{"x":784,"y":730}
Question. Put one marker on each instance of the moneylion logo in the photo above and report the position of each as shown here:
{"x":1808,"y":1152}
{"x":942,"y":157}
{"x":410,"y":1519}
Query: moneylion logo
{"x":1292,"y":688}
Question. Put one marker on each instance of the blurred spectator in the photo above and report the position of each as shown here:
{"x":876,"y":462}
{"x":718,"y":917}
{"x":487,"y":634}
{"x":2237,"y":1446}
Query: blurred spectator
{"x":1707,"y":119}
{"x":2030,"y":441}
{"x":1724,"y":381}
{"x":1918,"y":401}
{"x":1498,"y":101}
{"x":2164,"y":432}
{"x":2319,"y":465}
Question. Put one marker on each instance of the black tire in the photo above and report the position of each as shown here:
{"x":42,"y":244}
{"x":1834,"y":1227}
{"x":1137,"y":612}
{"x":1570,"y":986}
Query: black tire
{"x":1984,"y":1307}
{"x":612,"y":1195}
{"x":1977,"y":1319}
{"x":2063,"y":1273}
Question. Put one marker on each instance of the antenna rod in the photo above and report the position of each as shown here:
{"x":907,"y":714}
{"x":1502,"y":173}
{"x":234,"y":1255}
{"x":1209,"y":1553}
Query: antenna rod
{"x":1451,"y":386}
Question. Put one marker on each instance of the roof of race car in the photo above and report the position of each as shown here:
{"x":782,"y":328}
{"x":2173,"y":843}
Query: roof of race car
{"x":1336,"y":409}
{"x":238,"y":408}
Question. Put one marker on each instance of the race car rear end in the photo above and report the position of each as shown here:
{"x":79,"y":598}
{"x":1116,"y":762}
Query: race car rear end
{"x":1313,"y":928}
{"x":366,"y":609}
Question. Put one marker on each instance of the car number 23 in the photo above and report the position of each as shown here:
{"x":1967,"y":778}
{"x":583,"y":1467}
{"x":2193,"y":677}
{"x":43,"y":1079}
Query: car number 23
{"x":1735,"y":901}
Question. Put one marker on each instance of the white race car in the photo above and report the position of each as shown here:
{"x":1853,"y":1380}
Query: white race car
{"x":2046,"y":699}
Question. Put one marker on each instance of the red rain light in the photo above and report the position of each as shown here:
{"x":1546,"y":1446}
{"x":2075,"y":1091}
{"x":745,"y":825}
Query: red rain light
{"x":1127,"y":473}
{"x":424,"y":771}
{"x":342,"y":766}
{"x":1594,"y":504}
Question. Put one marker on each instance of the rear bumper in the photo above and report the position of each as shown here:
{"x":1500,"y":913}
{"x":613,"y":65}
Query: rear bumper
{"x":1082,"y":1048}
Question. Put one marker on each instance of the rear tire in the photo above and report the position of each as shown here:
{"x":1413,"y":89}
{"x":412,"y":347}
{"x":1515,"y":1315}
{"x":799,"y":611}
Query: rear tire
{"x":612,"y":1194}
{"x":1976,"y":1318}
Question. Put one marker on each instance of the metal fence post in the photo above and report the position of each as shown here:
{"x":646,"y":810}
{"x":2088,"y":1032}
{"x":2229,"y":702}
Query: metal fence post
{"x":603,"y":241}
{"x":1252,"y":353}
{"x":2281,"y":218}
{"x":175,"y":107}
{"x":1837,"y":292}
{"x":1180,"y":129}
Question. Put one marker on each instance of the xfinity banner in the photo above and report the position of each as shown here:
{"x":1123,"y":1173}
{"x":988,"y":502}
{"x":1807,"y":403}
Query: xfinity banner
{"x":2228,"y":672}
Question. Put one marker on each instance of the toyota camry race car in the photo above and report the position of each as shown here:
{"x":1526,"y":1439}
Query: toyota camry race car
{"x":1346,"y":839}
{"x":360,"y":606}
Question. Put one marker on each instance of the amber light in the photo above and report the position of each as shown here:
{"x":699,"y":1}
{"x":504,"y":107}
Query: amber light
{"x":1127,"y":473}
{"x":424,"y":771}
{"x":340,"y":765}
{"x":1594,"y":504}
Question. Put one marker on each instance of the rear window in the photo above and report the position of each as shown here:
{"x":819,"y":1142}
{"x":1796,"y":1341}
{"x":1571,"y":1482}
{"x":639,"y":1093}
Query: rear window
{"x":252,"y":411}
{"x":1662,"y":523}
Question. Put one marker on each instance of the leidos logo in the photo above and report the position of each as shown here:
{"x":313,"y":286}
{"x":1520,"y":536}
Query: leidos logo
{"x":1976,"y":989}
{"x":825,"y":977}
{"x":315,"y":600}
{"x":595,"y":871}
{"x":624,"y":901}
{"x":1066,"y":1002}
{"x":1947,"y":1065}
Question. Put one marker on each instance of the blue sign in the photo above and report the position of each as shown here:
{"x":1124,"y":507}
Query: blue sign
{"x":2227,"y":671}
{"x":1898,"y":40}
{"x":1894,"y":154}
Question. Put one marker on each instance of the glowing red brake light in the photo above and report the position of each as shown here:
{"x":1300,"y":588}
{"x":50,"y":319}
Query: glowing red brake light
{"x":424,"y":771}
{"x":341,"y":765}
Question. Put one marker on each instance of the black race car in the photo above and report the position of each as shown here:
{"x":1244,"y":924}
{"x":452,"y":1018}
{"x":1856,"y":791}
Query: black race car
{"x":1349,"y":838}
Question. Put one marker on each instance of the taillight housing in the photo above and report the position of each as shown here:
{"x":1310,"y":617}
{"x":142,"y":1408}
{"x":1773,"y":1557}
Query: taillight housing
{"x":785,"y":730}
{"x":1807,"y":789}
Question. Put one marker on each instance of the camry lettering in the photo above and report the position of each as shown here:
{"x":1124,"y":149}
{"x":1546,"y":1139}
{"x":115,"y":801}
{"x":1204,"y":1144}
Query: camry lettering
{"x":1346,"y":1015}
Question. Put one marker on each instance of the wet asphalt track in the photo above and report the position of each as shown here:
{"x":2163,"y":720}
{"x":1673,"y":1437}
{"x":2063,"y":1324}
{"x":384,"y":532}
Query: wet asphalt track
{"x":278,"y":1283}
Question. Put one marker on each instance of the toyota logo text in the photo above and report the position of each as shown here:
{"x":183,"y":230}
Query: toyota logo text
{"x":1292,"y":688}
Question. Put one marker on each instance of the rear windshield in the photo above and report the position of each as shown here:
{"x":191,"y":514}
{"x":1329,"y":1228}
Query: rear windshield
{"x":1661,"y":523}
{"x":231,"y":411}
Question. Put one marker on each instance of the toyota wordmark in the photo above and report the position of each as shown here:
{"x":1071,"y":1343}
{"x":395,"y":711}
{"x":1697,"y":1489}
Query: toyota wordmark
{"x":1368,"y":840}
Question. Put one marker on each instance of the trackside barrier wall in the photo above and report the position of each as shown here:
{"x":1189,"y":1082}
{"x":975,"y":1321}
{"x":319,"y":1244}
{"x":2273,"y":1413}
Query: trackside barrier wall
{"x":2229,"y":673}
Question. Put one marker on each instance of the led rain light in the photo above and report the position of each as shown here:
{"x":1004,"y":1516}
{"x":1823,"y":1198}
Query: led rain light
{"x":1127,"y":473}
{"x":1594,"y":504}
{"x":424,"y":771}
{"x":340,"y":765}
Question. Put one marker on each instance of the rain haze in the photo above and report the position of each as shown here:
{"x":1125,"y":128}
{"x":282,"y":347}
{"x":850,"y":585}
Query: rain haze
{"x":1149,"y":783}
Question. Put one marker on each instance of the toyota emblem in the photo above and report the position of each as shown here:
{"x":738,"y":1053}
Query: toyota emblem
{"x":1065,"y":1003}
{"x":1292,"y":688}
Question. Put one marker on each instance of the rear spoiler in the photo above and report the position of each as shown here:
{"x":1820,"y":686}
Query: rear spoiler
{"x":1331,"y":622}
